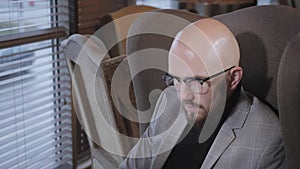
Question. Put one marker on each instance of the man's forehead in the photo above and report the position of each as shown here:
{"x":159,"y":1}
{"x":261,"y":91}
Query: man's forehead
{"x":187,"y":67}
{"x":179,"y":49}
{"x":184,"y":56}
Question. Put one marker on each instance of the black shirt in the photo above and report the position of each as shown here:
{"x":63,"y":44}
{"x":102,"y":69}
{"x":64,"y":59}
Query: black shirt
{"x":189,"y":153}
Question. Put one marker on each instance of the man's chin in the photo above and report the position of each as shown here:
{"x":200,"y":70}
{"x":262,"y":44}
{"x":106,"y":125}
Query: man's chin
{"x":196,"y":117}
{"x":199,"y":122}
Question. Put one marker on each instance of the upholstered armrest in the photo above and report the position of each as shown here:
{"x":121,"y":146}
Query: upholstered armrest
{"x":90,"y":95}
{"x":84,"y":45}
{"x":103,"y":160}
{"x":289,"y":99}
{"x":92,"y":76}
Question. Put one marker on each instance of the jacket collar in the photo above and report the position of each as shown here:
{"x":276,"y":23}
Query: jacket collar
{"x":226,"y":135}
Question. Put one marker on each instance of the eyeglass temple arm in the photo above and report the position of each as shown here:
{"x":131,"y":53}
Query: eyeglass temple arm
{"x":217,"y":74}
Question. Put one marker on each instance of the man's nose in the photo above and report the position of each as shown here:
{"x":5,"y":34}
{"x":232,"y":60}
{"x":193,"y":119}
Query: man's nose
{"x":186,"y":93}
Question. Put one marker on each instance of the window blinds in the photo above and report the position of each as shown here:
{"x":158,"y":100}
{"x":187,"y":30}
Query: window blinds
{"x":35,"y":111}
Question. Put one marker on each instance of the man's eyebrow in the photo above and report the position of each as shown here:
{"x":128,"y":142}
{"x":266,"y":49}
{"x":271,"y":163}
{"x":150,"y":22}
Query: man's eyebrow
{"x":174,"y":76}
{"x":191,"y":77}
{"x":200,"y":77}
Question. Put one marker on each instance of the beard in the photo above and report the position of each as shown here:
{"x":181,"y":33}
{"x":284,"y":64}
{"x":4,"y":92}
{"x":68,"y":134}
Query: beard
{"x":195,"y":113}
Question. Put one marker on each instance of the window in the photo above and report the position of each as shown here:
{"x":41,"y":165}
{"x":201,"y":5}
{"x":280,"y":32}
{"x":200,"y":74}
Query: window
{"x":35,"y":111}
{"x":166,"y":4}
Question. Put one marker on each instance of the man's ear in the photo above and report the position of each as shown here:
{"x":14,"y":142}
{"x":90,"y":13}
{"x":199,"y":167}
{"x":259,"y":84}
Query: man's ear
{"x":235,"y":74}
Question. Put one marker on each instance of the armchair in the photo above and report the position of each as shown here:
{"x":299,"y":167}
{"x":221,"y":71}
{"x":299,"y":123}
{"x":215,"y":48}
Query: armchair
{"x":263,"y":32}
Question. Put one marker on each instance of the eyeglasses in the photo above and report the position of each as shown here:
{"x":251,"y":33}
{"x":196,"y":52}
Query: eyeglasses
{"x":195,"y":84}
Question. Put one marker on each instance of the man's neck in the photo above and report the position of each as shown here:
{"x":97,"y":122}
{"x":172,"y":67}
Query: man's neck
{"x":230,"y":102}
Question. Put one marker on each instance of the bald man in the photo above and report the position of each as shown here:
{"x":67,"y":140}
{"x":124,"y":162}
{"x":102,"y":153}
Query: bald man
{"x":205,"y":119}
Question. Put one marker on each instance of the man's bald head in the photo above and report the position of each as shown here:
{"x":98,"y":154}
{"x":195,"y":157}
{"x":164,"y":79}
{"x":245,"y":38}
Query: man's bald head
{"x":198,"y":58}
{"x":211,"y":41}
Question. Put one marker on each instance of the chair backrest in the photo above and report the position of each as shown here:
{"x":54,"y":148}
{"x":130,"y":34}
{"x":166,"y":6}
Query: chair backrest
{"x":216,"y":7}
{"x":262,"y":32}
{"x":147,"y":51}
{"x":95,"y":100}
{"x":112,"y":28}
{"x":113,"y":31}
{"x":289,"y":100}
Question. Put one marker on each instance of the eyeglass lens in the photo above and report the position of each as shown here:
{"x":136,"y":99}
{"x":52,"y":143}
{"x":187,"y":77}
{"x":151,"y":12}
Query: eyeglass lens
{"x":193,"y":84}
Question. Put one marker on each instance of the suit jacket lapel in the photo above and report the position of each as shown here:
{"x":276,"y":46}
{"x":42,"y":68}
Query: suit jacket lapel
{"x":222,"y":141}
{"x":226,"y":134}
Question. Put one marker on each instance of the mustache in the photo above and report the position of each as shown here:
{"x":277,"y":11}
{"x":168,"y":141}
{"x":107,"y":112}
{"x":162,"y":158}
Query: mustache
{"x":191,"y":103}
{"x":188,"y":102}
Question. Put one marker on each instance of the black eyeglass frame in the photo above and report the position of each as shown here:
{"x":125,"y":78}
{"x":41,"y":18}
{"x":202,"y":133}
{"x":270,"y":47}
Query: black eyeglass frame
{"x":167,"y":75}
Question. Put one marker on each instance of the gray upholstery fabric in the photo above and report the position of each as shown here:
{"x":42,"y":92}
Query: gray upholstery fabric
{"x":108,"y":37}
{"x":289,"y":100}
{"x":149,"y":79}
{"x":262,"y":32}
{"x":112,"y":26}
{"x":212,"y":8}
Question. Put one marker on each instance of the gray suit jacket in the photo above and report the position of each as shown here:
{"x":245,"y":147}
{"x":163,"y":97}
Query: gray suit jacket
{"x":249,"y":138}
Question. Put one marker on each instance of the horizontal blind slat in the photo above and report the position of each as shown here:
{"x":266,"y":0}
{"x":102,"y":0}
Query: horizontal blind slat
{"x":53,"y":158}
{"x":6,"y":131}
{"x":5,"y":69}
{"x":31,"y":91}
{"x":15,"y":9}
{"x":46,"y":150}
{"x":29,"y":76}
{"x":26,"y":84}
{"x":37,"y":137}
{"x":40,"y":103}
{"x":13,"y":120}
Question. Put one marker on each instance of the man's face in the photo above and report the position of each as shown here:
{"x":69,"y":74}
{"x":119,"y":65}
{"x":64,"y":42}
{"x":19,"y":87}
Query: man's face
{"x":184,"y":63}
